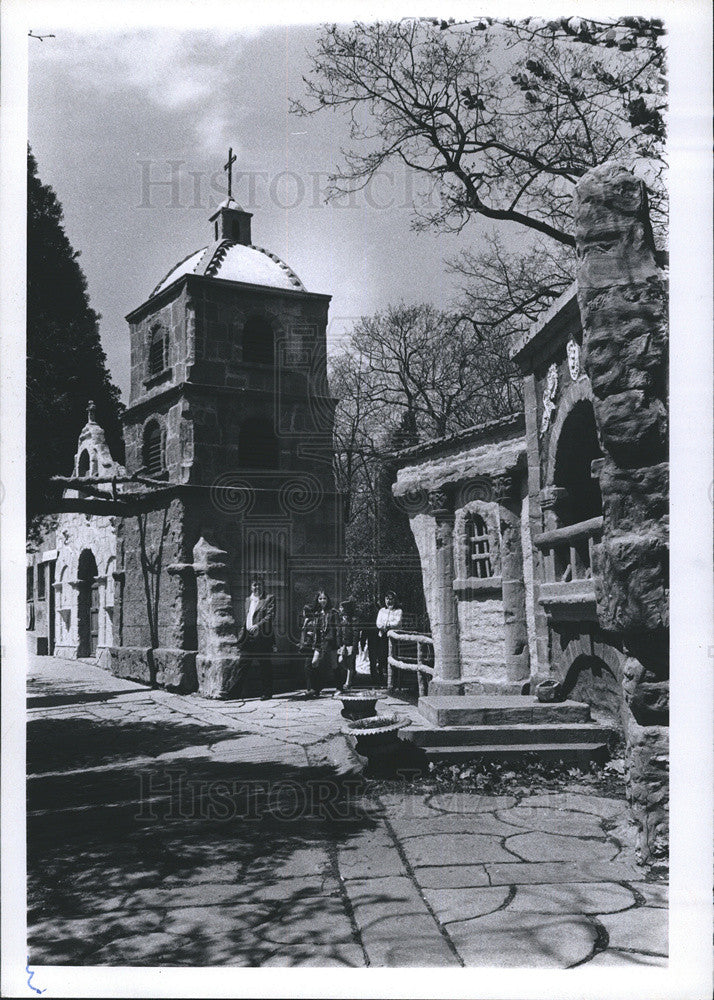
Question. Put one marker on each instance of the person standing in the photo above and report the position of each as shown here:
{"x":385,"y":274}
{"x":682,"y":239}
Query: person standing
{"x":389,"y":616}
{"x":346,"y":644}
{"x":256,"y":640}
{"x":308,"y":639}
{"x":322,"y":637}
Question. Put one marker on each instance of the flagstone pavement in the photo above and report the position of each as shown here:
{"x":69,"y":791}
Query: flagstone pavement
{"x":169,"y":830}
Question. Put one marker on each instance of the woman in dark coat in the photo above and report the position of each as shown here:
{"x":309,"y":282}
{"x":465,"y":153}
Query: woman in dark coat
{"x":347,"y":635}
{"x":320,"y":640}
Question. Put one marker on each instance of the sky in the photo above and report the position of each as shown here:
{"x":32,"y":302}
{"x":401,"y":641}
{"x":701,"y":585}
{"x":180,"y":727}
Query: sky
{"x":113,"y":112}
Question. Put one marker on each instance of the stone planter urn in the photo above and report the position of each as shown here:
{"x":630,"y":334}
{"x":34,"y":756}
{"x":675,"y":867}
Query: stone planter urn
{"x":377,"y":739}
{"x":548,"y":691}
{"x":358,"y":704}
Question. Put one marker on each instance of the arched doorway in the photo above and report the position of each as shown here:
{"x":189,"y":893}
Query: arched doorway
{"x":87,"y":604}
{"x":577,"y":448}
{"x":598,"y":683}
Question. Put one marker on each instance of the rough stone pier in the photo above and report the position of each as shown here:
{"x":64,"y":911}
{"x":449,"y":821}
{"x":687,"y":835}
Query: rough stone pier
{"x":165,"y":830}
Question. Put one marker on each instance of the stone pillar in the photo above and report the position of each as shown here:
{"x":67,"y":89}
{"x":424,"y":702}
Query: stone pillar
{"x":217,"y":633}
{"x":540,"y":668}
{"x":516,"y":652}
{"x":445,"y":621}
{"x":624,"y":308}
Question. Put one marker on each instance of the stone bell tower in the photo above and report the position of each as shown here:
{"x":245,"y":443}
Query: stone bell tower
{"x":230,"y":420}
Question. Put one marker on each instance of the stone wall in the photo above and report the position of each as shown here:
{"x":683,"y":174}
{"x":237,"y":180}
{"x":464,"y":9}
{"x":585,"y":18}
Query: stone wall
{"x":74,"y":534}
{"x":624,"y":307}
{"x":170,"y":314}
{"x":160,"y":657}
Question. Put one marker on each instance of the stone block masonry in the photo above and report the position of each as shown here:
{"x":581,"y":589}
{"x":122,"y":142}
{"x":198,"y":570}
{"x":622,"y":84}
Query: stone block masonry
{"x":623,"y":304}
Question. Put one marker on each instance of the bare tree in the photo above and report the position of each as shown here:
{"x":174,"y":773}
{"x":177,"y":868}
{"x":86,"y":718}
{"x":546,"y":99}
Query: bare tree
{"x":502,"y":116}
{"x":428,"y":373}
{"x":506,"y":287}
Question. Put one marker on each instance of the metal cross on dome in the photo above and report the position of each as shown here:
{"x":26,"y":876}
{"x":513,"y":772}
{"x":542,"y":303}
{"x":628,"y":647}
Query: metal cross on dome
{"x":229,"y":167}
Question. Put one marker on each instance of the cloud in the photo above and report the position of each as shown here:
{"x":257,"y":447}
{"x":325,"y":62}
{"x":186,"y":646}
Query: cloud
{"x":176,"y":71}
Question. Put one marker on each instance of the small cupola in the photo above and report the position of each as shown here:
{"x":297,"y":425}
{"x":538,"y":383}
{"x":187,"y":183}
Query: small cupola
{"x":230,"y":222}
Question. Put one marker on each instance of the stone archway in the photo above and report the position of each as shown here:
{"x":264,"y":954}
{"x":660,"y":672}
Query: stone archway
{"x":577,"y":392}
{"x":591,"y":671}
{"x":87,"y":604}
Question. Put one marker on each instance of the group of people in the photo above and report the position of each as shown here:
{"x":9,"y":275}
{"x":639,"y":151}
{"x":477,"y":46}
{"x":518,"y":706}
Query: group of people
{"x":330,"y":640}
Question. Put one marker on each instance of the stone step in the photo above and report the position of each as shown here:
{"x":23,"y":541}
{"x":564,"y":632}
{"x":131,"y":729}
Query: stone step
{"x":513,"y":735}
{"x":580,"y":754}
{"x":498,"y":710}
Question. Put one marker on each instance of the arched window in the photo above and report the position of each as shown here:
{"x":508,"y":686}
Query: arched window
{"x":152,"y":449}
{"x":86,"y":565}
{"x":158,"y":350}
{"x":478,"y":547}
{"x":577,"y":448}
{"x":258,"y":341}
{"x":258,"y":447}
{"x":83,"y":464}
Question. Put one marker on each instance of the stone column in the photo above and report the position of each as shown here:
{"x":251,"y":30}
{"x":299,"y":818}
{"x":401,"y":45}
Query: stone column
{"x":540,"y":668}
{"x":516,"y":652}
{"x":624,"y":307}
{"x":217,"y":660}
{"x":445,"y":621}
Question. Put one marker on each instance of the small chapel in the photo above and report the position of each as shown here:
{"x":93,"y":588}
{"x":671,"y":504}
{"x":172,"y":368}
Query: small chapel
{"x":228,"y":434}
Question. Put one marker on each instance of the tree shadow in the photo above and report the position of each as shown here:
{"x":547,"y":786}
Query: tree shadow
{"x":190,"y":860}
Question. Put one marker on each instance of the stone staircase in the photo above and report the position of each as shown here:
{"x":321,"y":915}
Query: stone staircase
{"x":505,"y":727}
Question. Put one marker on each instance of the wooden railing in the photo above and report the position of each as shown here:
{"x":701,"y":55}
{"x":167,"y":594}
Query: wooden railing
{"x":413,"y":652}
{"x":568,"y":552}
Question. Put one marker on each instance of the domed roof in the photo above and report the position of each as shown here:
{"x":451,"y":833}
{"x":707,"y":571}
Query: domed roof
{"x":230,"y":260}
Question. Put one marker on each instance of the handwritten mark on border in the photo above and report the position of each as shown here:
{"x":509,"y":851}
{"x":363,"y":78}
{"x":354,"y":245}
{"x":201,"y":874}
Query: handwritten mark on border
{"x":30,"y":974}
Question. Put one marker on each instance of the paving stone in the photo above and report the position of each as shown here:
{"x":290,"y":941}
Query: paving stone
{"x":459,"y":848}
{"x":564,"y":823}
{"x":337,"y":956}
{"x":463,"y":904}
{"x":597,"y":805}
{"x":578,"y":897}
{"x":156,"y":948}
{"x":509,"y":939}
{"x":398,"y":806}
{"x":469,"y":802}
{"x":395,"y":926}
{"x":286,"y":889}
{"x":560,"y":872}
{"x":369,"y":853}
{"x":218,"y":873}
{"x":204,"y":894}
{"x":615,"y":957}
{"x":302,"y":861}
{"x":643,"y":929}
{"x":550,"y":847}
{"x":451,"y":876}
{"x":319,"y":920}
{"x":64,"y":942}
{"x":656,"y":893}
{"x":446,"y":823}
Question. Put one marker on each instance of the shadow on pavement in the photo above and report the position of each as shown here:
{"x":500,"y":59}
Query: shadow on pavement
{"x":187,"y":861}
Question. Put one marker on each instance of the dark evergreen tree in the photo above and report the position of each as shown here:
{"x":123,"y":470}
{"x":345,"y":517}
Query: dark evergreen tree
{"x":66,"y":366}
